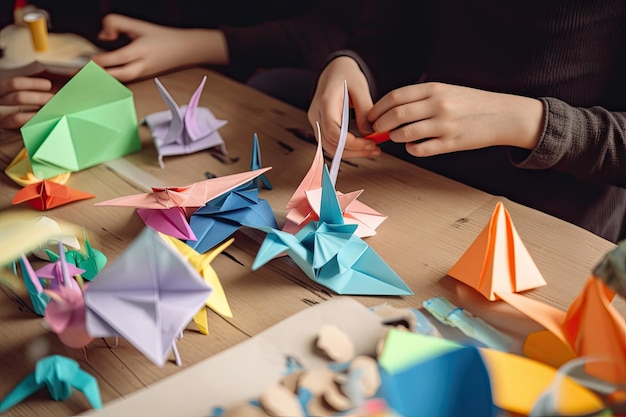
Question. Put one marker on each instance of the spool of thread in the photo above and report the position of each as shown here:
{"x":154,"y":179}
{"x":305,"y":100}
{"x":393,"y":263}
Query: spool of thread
{"x":38,"y":26}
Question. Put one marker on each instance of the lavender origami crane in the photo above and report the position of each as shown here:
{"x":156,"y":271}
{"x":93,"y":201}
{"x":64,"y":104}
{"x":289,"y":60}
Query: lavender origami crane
{"x":148,"y":295}
{"x":185,"y":129}
{"x":331,"y":254}
{"x":222,"y":216}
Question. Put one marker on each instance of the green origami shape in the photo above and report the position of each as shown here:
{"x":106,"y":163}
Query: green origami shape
{"x":89,"y":121}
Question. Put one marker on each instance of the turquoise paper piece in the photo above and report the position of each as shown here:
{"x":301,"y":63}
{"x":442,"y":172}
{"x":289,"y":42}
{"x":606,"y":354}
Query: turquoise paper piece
{"x":92,"y":261}
{"x":91,"y":120}
{"x":38,"y":298}
{"x":331,"y":255}
{"x":450,"y":315}
{"x":441,"y":380}
{"x":60,"y":375}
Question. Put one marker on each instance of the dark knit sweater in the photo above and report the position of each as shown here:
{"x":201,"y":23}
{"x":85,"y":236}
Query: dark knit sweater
{"x":570,"y":54}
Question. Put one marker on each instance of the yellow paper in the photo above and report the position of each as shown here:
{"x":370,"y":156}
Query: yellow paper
{"x":202,"y":263}
{"x":517,"y":382}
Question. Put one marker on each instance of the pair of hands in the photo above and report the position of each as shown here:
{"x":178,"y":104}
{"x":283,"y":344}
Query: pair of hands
{"x":430,"y":118}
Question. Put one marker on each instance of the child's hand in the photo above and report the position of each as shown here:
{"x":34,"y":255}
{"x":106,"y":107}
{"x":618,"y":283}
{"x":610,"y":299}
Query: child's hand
{"x":327,"y":104}
{"x":448,"y":118}
{"x":23,"y":97}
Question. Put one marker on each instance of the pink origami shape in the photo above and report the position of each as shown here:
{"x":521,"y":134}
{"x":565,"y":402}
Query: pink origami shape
{"x":165,"y":208}
{"x":304,"y":205}
{"x":497,"y":261}
{"x":185,"y":129}
{"x":65,"y":312}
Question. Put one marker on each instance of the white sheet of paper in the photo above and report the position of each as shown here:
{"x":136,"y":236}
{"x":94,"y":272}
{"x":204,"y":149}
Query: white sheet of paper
{"x":242,"y":372}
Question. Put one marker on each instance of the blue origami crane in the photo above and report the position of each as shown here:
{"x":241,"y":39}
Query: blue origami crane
{"x":330,"y":254}
{"x":59,"y":374}
{"x":224,"y":215}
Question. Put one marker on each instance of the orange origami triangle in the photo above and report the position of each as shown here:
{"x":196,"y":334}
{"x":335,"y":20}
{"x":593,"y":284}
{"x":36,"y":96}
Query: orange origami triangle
{"x":497,"y":261}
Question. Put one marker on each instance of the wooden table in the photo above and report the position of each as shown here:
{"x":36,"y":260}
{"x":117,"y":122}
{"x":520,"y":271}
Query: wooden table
{"x":432,"y":221}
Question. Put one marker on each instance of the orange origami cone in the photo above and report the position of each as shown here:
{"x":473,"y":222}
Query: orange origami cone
{"x":497,"y":261}
{"x":46,"y":194}
{"x":594,"y":329}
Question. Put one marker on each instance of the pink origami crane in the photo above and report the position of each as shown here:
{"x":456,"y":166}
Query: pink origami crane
{"x":304,"y":205}
{"x":65,"y":312}
{"x":165,"y":208}
{"x":185,"y":129}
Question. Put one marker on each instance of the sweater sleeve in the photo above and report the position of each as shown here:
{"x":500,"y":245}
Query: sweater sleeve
{"x":589,"y":143}
{"x":302,"y":41}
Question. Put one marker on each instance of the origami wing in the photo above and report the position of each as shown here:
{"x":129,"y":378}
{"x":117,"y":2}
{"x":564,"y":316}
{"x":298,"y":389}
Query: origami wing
{"x":194,"y":195}
{"x":202,"y":263}
{"x":220,"y":218}
{"x":152,"y":283}
{"x":255,"y":163}
{"x":171,"y":221}
{"x":185,"y":129}
{"x":34,"y":287}
{"x":47,"y":194}
{"x":176,"y":126}
{"x":365,"y":272}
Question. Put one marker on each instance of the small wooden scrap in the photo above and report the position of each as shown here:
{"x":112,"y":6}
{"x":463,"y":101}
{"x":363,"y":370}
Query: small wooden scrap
{"x":335,"y":344}
{"x":277,"y":401}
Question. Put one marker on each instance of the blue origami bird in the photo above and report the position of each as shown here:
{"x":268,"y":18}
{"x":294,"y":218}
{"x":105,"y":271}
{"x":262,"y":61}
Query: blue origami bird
{"x":59,"y":374}
{"x":224,"y":215}
{"x":330,"y":254}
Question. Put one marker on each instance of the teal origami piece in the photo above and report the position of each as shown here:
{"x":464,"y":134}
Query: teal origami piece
{"x":89,"y":121}
{"x":60,"y":375}
{"x":38,"y":298}
{"x":255,"y":163}
{"x":331,"y":255}
{"x":92,"y":261}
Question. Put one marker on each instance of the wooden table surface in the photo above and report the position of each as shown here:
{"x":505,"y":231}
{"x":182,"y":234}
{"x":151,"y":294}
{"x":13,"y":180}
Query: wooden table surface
{"x":431,"y":222}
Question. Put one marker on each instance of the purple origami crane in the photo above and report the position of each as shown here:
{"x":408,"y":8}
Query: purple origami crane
{"x":185,"y":129}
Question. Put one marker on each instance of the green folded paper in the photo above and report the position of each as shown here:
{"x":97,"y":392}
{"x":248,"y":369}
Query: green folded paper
{"x":89,"y":121}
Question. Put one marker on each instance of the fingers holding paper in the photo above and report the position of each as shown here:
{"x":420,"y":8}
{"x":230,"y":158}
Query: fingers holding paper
{"x":437,"y":118}
{"x":326,"y":107}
